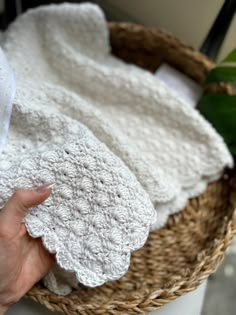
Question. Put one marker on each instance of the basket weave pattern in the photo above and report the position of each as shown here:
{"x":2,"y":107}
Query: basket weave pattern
{"x":177,"y":258}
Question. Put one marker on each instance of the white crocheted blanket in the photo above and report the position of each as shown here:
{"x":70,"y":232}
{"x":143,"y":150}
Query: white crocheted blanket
{"x":123,"y":152}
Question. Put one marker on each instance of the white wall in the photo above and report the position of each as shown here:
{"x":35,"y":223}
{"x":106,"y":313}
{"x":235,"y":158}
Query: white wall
{"x":189,"y":20}
{"x":230,"y":40}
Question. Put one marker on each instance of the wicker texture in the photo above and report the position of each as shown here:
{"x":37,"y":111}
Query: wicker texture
{"x":177,"y":258}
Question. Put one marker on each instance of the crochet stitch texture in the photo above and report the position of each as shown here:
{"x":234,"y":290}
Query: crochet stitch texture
{"x":123,"y":151}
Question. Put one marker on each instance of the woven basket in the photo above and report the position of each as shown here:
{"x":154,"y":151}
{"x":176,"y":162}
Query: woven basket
{"x":177,"y":258}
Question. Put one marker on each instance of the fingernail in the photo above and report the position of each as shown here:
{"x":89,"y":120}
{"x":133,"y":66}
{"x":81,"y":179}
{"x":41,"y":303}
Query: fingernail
{"x":44,"y":188}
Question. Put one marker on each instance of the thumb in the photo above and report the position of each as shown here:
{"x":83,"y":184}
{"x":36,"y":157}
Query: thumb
{"x":16,"y":208}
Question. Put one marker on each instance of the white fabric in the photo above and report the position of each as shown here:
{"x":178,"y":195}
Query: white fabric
{"x":148,"y":149}
{"x":7,"y":93}
{"x":182,"y":86}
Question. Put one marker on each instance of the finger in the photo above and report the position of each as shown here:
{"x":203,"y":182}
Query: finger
{"x":44,"y":261}
{"x":37,"y":263}
{"x":16,"y":208}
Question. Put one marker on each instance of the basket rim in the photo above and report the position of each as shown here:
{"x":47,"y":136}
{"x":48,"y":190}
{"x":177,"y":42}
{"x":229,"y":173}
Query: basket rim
{"x":162,"y":37}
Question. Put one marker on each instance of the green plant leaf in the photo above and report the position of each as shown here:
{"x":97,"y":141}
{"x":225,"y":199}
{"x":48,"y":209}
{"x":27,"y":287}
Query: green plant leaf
{"x":221,"y":74}
{"x":232,"y":149}
{"x":231,"y":57}
{"x":220,"y":110}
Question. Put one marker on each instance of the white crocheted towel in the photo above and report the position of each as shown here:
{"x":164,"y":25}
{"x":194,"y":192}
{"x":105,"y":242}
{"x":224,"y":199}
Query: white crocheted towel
{"x":7,"y":93}
{"x":145,"y":149}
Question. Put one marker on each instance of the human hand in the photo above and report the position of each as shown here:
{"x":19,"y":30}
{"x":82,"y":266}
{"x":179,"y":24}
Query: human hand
{"x":23,"y":260}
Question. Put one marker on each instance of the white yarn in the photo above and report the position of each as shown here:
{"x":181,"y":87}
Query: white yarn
{"x":67,"y":77}
{"x":7,"y":93}
{"x":98,"y":212}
